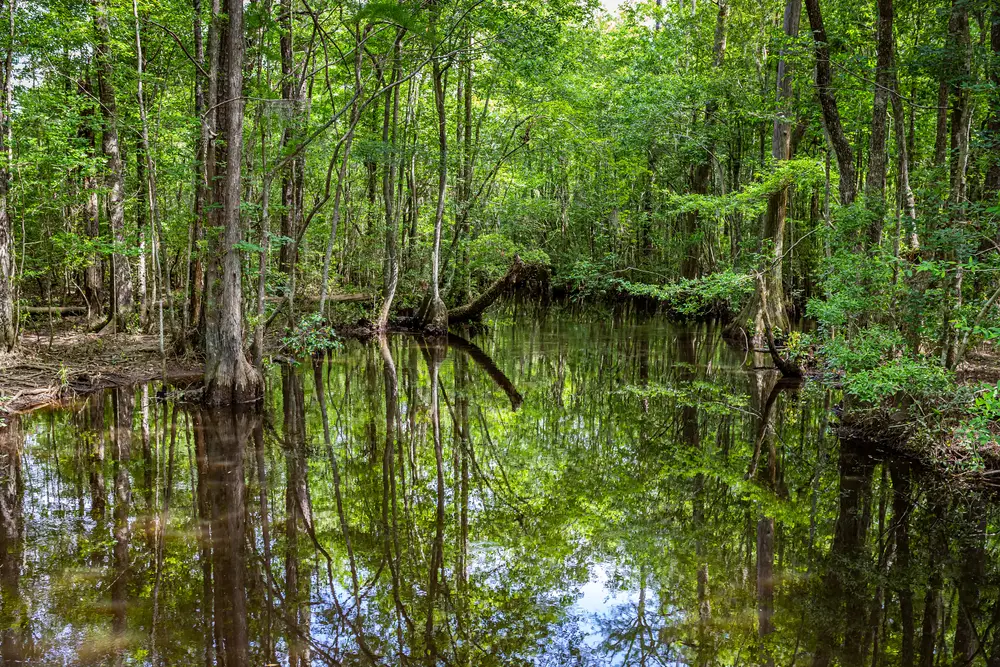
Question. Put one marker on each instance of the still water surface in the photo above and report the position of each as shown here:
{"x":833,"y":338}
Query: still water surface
{"x":568,"y":492}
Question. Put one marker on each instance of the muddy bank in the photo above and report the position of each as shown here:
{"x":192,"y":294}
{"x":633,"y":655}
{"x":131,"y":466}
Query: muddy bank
{"x":46,"y":370}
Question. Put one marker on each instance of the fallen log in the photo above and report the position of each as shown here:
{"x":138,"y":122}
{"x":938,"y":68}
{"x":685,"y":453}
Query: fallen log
{"x":331,"y":298}
{"x":517,"y":275}
{"x":55,"y":310}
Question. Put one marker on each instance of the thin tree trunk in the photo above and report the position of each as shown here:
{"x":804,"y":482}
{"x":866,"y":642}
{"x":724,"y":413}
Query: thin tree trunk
{"x":291,"y":182}
{"x":436,"y":319}
{"x":161,"y":268}
{"x":941,"y":128}
{"x":8,"y":321}
{"x":122,"y":293}
{"x":196,"y":272}
{"x":142,"y":234}
{"x":902,"y":148}
{"x":389,"y":131}
{"x":828,"y":103}
{"x":878,"y":163}
{"x":342,"y":176}
{"x":93,"y":273}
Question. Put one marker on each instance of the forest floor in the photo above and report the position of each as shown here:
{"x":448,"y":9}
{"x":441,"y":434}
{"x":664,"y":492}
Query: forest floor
{"x":51,"y":367}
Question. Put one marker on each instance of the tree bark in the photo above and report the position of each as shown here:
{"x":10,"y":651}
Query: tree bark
{"x":229,"y":376}
{"x":436,"y":319}
{"x":941,"y":128}
{"x":877,"y":162}
{"x":389,"y":130}
{"x":828,"y":103}
{"x":992,"y":138}
{"x":196,"y":271}
{"x":93,"y":272}
{"x":8,"y":320}
{"x":771,"y":293}
{"x":122,"y":301}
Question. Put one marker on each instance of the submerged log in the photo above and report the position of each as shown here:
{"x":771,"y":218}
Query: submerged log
{"x":485,"y":362}
{"x":517,"y":275}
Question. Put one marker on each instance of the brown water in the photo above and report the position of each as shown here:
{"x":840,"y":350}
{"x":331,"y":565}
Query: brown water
{"x":568,"y":492}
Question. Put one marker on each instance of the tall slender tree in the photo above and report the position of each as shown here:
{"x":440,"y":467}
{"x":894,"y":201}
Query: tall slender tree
{"x":229,"y":376}
{"x":122,"y":299}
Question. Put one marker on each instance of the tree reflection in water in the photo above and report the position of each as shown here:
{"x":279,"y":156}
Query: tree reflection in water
{"x":558,"y":493}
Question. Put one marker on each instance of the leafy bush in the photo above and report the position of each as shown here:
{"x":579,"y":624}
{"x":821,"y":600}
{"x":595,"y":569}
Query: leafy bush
{"x":312,"y":336}
{"x":863,"y":351}
{"x":715,"y":294}
{"x":490,"y":255}
{"x":904,"y":376}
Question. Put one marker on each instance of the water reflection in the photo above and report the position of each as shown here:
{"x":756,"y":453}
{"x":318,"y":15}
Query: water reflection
{"x":565,"y":493}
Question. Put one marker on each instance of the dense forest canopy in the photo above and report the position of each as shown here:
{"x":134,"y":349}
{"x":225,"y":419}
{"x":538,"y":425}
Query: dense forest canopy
{"x":209,"y":168}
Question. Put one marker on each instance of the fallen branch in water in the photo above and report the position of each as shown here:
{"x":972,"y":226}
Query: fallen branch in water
{"x":517,"y":275}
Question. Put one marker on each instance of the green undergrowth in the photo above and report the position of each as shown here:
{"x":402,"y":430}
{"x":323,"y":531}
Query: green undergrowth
{"x":719,"y":294}
{"x":912,"y":402}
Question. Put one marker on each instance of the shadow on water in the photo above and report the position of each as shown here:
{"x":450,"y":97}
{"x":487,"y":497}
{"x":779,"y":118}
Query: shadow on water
{"x":565,"y":492}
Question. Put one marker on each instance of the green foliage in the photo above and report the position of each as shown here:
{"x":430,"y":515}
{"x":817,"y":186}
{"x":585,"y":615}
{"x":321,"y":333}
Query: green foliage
{"x":900,"y":377}
{"x":490,"y":256}
{"x":715,"y":294}
{"x":864,"y":351}
{"x":313,"y":335}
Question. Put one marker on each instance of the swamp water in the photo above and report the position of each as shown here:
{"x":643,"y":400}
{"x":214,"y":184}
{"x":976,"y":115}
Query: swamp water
{"x":564,"y":492}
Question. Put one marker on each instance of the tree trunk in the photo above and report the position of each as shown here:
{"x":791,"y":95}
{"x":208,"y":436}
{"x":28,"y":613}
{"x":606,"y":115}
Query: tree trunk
{"x":8,"y":321}
{"x":516,"y":275}
{"x":941,"y":128}
{"x":93,"y":273}
{"x":161,"y":268}
{"x":390,"y":124}
{"x":828,"y":103}
{"x":229,"y":376}
{"x":771,"y":293}
{"x":291,"y":181}
{"x":701,"y":173}
{"x":909,"y":202}
{"x":342,"y":176}
{"x":993,"y":121}
{"x":959,"y":65}
{"x":196,"y":272}
{"x":436,"y":318}
{"x":142,"y":234}
{"x":122,"y":299}
{"x":877,"y":163}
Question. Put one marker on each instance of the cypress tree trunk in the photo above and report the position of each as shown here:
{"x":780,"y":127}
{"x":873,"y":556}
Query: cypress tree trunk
{"x":8,"y":323}
{"x":770,"y":293}
{"x":122,"y":301}
{"x":229,"y":375}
